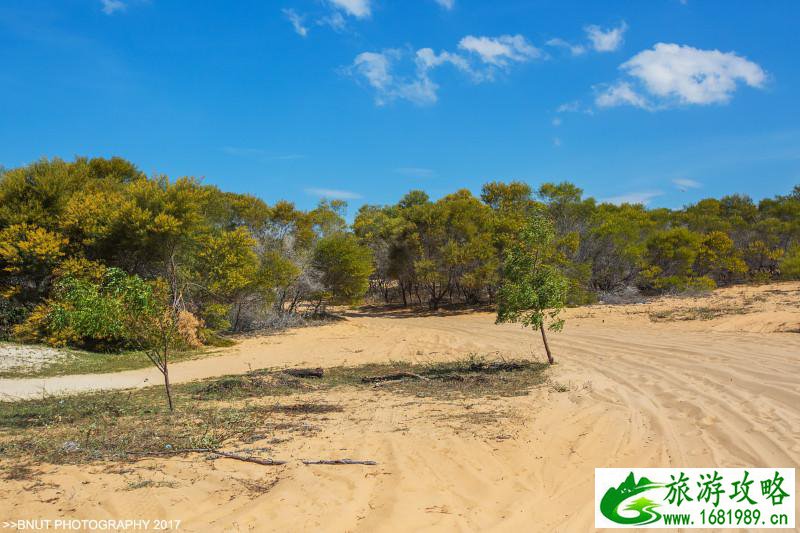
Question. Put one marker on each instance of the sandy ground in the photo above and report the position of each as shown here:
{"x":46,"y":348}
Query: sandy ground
{"x":19,"y":356}
{"x":647,"y":387}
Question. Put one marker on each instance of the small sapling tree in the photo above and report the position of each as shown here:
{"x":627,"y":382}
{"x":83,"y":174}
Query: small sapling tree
{"x":533,"y":290}
{"x":153,"y":325}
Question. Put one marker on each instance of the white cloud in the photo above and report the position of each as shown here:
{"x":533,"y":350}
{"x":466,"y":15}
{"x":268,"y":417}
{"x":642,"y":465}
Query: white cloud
{"x":606,"y":40}
{"x":356,"y":8}
{"x":557,"y":142}
{"x":421,"y":91}
{"x":333,"y":194}
{"x":557,"y":121}
{"x":684,"y":183}
{"x":427,"y":59}
{"x":574,"y":49}
{"x":380,"y":69}
{"x":334,"y":20}
{"x":499,"y":51}
{"x":112,"y":6}
{"x":620,"y":93}
{"x":447,"y":4}
{"x":569,"y":107}
{"x":643,"y":198}
{"x":297,"y":22}
{"x":376,"y":68}
{"x":687,"y":75}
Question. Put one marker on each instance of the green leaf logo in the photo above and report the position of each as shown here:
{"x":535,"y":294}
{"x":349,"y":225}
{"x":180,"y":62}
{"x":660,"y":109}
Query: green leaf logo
{"x":645,"y":508}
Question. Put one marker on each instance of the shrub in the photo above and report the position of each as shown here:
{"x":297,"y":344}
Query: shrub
{"x":790,"y":263}
{"x":11,"y":315}
{"x":189,"y":329}
{"x":88,"y":314}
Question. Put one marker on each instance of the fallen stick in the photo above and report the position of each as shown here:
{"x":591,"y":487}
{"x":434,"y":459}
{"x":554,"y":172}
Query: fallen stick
{"x":212,"y":451}
{"x":249,"y":459}
{"x":340,"y":462}
{"x":392,"y":377}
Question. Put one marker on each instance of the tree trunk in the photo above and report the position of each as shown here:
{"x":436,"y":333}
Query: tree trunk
{"x":167,"y":387}
{"x":546,"y":346}
{"x":238,"y":312}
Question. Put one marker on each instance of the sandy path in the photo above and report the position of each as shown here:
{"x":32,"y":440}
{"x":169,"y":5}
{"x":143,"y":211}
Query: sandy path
{"x":363,"y":338}
{"x":692,"y":394}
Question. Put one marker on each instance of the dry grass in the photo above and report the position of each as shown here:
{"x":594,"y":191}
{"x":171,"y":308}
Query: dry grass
{"x":228,"y":411}
{"x":696,"y":313}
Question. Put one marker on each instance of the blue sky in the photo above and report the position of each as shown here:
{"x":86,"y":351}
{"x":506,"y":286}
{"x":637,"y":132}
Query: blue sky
{"x":665,"y":101}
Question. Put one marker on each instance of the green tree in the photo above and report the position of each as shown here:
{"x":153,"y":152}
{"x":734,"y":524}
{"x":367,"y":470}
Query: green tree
{"x":346,"y":266}
{"x":533,"y":291}
{"x":156,"y":328}
{"x":670,"y":259}
{"x":790,"y":264}
{"x":719,"y":259}
{"x":227,"y":267}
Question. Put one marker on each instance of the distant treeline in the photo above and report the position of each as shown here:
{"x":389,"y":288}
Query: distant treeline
{"x":451,"y":250}
{"x":69,"y":230}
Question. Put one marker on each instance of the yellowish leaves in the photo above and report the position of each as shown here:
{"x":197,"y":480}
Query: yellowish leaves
{"x":80,"y":268}
{"x":92,"y":216}
{"x":227,"y":262}
{"x":164,"y":223}
{"x":25,"y":246}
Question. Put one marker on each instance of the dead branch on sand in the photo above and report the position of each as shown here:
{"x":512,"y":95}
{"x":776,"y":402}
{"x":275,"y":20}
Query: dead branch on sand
{"x":398,"y":376}
{"x":340,"y":462}
{"x":250,"y":458}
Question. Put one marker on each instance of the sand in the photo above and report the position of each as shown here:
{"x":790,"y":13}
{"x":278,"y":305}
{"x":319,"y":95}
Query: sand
{"x":27,"y":357}
{"x":645,"y":388}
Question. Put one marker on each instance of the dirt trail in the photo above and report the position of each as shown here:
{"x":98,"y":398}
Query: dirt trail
{"x":692,"y":393}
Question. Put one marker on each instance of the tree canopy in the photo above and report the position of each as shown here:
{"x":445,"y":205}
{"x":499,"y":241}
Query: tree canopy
{"x":235,"y":262}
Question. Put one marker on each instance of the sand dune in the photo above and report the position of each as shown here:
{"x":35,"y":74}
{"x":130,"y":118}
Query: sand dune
{"x":646,"y":388}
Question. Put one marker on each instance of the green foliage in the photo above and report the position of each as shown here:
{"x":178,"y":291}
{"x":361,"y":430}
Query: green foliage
{"x":226,"y":263}
{"x":97,"y":315}
{"x":533,"y":291}
{"x":680,"y":259}
{"x":236,"y":263}
{"x":11,"y":314}
{"x":346,"y":266}
{"x":719,"y":259}
{"x":790,"y":264}
{"x":669,"y":258}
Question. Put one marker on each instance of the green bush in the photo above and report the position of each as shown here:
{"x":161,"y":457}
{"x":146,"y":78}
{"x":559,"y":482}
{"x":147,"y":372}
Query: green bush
{"x":91,"y":315}
{"x":11,"y":314}
{"x":790,"y":263}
